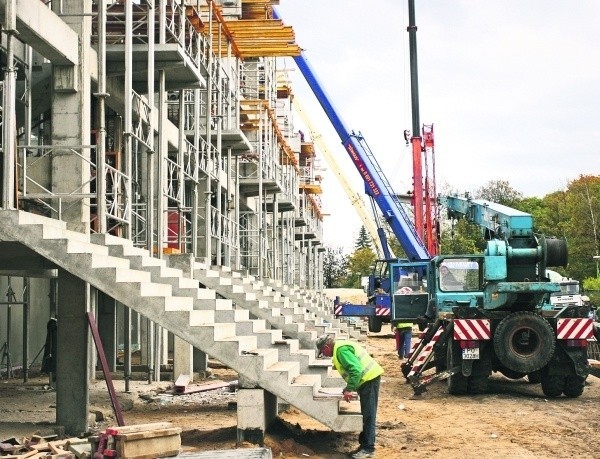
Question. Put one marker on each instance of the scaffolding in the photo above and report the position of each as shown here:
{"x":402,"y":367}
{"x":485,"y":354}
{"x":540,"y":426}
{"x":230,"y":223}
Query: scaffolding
{"x":171,"y":127}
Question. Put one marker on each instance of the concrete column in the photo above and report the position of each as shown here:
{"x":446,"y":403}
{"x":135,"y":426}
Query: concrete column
{"x":72,"y":395}
{"x":185,"y":262}
{"x":200,"y":363}
{"x":71,"y":107}
{"x":182,"y":359}
{"x":256,"y":409}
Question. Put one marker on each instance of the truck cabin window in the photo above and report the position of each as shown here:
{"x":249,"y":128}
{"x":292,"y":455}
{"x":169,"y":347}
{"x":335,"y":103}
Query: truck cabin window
{"x":460,"y":274}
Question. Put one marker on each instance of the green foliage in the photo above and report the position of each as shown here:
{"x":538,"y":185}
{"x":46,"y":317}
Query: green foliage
{"x":334,"y":267}
{"x":462,"y":237}
{"x":581,"y":225}
{"x":393,"y":242}
{"x":359,"y":264}
{"x":500,"y":192}
{"x":364,"y":240}
{"x":361,"y":261}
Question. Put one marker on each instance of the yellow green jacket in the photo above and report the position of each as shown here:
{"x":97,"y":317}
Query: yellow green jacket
{"x":354,"y":364}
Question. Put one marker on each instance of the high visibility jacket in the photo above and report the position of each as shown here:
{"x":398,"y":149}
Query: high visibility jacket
{"x":404,"y":325}
{"x":354,"y":364}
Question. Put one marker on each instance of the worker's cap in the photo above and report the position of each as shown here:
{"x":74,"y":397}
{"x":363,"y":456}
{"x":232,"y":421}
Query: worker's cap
{"x":321,"y":340}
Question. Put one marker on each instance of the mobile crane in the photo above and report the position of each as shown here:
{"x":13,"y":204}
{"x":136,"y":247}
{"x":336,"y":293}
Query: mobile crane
{"x":410,"y":235}
{"x":492,"y":317}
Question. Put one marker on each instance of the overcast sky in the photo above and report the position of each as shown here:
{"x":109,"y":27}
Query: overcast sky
{"x":512,"y":89}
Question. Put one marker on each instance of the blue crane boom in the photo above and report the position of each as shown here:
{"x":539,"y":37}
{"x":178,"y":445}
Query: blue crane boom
{"x":376,"y":184}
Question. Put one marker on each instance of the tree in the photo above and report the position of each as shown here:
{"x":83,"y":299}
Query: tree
{"x":462,"y":237}
{"x":500,"y":192}
{"x":579,"y":223}
{"x":334,"y":267}
{"x":359,"y":264}
{"x":363,"y":241}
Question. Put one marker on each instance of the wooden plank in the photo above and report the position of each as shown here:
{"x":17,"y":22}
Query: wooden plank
{"x":150,"y":447}
{"x":142,"y":427}
{"x":57,"y":446}
{"x":148,"y":434}
{"x":206,"y":387}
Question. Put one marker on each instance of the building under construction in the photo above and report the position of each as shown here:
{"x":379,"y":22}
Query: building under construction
{"x":157,"y":198}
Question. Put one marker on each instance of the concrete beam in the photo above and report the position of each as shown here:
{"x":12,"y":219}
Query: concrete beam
{"x":44,"y":31}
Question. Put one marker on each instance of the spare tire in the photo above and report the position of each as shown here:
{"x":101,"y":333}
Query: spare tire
{"x":524,"y":342}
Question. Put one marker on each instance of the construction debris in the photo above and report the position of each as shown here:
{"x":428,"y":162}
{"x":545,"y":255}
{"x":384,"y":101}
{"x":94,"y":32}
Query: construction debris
{"x":38,"y":447}
{"x":142,"y":441}
{"x":194,"y":388}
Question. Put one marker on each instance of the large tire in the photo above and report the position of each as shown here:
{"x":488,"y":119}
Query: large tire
{"x":524,"y":342}
{"x":574,"y":385}
{"x":375,"y":324}
{"x":552,"y":385}
{"x":457,"y":383}
{"x":482,"y":368}
{"x":478,"y":384}
{"x":535,"y":377}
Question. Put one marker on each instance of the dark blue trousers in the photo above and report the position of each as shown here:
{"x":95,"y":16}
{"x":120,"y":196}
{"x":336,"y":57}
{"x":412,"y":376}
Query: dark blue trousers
{"x":369,"y":397}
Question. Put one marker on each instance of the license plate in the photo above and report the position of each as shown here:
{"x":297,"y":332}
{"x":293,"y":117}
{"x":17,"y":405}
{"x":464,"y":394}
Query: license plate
{"x":471,"y":353}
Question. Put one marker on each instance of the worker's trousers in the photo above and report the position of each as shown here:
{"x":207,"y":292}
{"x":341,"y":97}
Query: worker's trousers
{"x":403,"y":341}
{"x":369,"y":397}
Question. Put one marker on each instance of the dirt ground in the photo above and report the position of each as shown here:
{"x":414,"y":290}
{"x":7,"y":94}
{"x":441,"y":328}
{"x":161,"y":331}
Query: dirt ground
{"x":513,"y":420}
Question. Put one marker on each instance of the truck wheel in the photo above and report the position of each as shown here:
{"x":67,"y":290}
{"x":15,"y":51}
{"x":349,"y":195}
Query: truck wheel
{"x":552,"y":385}
{"x":535,"y":377}
{"x":482,"y":368}
{"x":524,"y":342}
{"x":574,"y":386}
{"x":457,"y":383}
{"x":375,"y":324}
{"x":478,"y":384}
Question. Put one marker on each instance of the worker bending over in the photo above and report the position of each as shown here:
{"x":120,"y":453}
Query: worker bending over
{"x":362,"y":374}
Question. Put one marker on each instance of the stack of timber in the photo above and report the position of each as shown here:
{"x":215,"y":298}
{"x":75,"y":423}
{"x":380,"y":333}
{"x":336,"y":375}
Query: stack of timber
{"x":142,"y":441}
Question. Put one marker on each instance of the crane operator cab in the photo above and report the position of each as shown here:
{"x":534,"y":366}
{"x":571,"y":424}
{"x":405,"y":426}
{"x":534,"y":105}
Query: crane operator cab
{"x":410,"y":297}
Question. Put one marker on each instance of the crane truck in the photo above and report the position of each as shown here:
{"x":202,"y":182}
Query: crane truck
{"x":377,"y":309}
{"x":493,"y":316}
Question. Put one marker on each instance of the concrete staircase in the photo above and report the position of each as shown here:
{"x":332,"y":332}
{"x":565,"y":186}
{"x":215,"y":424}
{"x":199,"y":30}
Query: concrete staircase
{"x":268,"y":323}
{"x":236,"y":285}
{"x":211,"y":324}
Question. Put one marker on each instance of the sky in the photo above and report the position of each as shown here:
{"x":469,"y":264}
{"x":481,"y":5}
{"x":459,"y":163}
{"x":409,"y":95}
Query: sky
{"x":512,"y":89}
